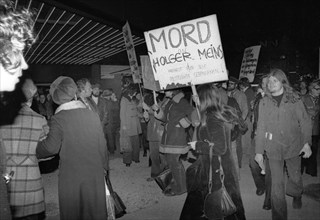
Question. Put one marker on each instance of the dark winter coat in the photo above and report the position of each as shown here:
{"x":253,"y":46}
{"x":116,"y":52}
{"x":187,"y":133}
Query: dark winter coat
{"x":282,"y":131}
{"x":219,"y":133}
{"x":313,"y":108}
{"x":174,"y":138}
{"x":76,"y":134}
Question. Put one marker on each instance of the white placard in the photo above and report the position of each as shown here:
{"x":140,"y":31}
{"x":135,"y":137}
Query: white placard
{"x":188,"y":53}
{"x":249,"y":62}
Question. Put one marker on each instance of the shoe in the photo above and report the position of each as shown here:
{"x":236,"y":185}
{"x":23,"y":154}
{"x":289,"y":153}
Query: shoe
{"x":297,"y":202}
{"x":169,"y":192}
{"x":266,"y":207}
{"x":128,"y":164}
{"x":260,"y":192}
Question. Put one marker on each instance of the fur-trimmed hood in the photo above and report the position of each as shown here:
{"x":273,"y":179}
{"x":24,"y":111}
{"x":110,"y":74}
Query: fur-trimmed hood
{"x":70,"y":105}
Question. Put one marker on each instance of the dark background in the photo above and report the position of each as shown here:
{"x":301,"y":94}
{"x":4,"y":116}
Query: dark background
{"x":288,"y":31}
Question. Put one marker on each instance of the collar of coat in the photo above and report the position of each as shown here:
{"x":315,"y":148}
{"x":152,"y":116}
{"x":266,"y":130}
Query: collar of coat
{"x":178,"y":97}
{"x":287,"y":97}
{"x":70,"y":105}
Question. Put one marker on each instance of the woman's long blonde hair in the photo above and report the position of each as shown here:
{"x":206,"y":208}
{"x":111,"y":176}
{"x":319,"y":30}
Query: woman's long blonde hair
{"x":210,"y":102}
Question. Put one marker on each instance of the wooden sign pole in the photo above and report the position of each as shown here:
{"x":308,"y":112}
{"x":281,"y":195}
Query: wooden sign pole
{"x":195,"y":94}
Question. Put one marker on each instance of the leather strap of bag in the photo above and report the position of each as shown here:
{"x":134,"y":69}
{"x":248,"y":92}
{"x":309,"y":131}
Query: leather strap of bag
{"x":221,"y":172}
{"x":210,"y":168}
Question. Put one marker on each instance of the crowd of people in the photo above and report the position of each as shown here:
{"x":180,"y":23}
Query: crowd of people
{"x":277,"y":125}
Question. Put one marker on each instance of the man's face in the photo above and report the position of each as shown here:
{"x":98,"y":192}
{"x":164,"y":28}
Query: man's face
{"x":242,"y":87}
{"x":274,"y":85}
{"x":87,"y":90}
{"x":303,"y":85}
{"x":231,"y":86}
{"x":42,"y":98}
{"x":95,"y":91}
{"x":264,"y":84}
{"x":113,"y":97}
{"x":315,"y":90}
{"x":9,"y":76}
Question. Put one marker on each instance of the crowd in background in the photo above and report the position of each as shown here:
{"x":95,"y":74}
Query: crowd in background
{"x":277,"y":124}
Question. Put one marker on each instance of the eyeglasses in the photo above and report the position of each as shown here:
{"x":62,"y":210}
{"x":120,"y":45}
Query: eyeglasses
{"x":316,"y":88}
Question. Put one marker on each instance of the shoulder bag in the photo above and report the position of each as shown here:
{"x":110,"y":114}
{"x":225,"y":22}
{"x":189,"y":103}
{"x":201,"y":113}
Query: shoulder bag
{"x":218,"y":204}
{"x":164,"y":179}
{"x":119,"y":206}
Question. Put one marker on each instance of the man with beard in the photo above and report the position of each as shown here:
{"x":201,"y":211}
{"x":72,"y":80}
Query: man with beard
{"x":100,"y":103}
{"x":84,"y":94}
{"x":113,"y":120}
{"x":283,"y":134}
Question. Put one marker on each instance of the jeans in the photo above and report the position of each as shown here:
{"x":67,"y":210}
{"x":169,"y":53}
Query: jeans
{"x":128,"y":157}
{"x":178,"y":185}
{"x":293,"y":187}
{"x":267,"y":177}
{"x":112,"y":135}
{"x":235,"y":157}
{"x":310,"y":164}
{"x":239,"y":150}
{"x":157,"y":159}
{"x":144,"y":143}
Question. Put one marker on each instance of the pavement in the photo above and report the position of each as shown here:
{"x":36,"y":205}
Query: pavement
{"x":145,"y":201}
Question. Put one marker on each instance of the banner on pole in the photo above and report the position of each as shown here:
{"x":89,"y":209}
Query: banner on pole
{"x":249,"y":62}
{"x":187,"y":53}
{"x":148,"y":79}
{"x":131,"y":53}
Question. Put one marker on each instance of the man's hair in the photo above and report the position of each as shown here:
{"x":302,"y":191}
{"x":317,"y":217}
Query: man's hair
{"x":109,"y":89}
{"x":16,"y":32}
{"x":315,"y":82}
{"x":291,"y":94}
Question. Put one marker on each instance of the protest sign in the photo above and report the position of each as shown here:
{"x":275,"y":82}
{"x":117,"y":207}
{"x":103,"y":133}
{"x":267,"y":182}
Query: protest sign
{"x":187,"y":53}
{"x":148,"y":79}
{"x":249,"y":62}
{"x":131,"y":53}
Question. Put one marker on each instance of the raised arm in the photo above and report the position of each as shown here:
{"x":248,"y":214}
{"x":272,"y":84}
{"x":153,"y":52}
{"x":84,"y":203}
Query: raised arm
{"x":51,"y":145}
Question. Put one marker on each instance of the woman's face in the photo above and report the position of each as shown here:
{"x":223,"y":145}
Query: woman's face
{"x":274,"y":85}
{"x":42,"y":98}
{"x":9,"y":77}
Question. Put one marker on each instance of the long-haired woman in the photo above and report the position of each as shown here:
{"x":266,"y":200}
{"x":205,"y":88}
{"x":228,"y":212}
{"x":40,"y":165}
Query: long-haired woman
{"x":217,"y":121}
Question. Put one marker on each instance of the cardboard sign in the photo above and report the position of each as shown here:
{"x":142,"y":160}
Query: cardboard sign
{"x":188,"y":53}
{"x":148,"y":79}
{"x":131,"y":53}
{"x":249,"y":62}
